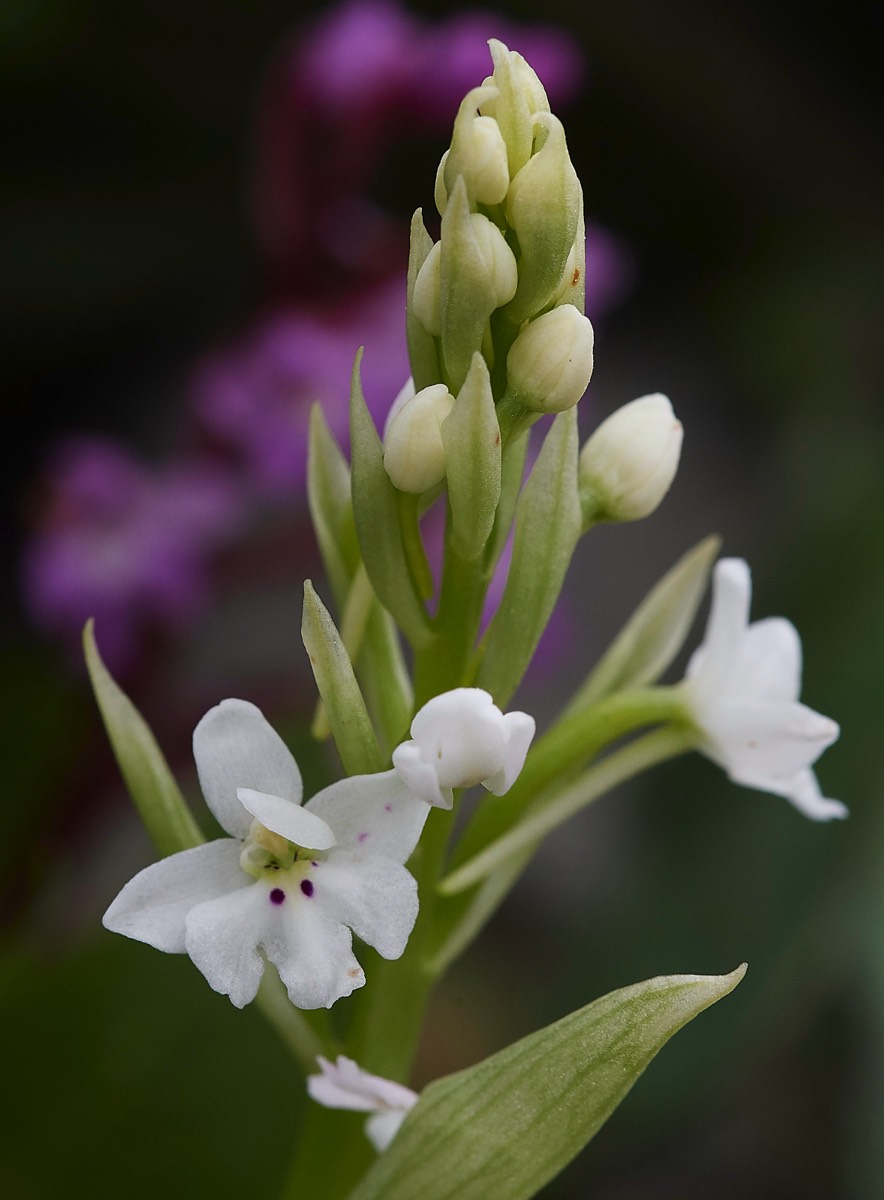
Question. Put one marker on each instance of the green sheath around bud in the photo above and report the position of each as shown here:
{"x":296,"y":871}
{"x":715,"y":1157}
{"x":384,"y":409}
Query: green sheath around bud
{"x":628,"y":464}
{"x":543,"y":207}
{"x":549,"y":365}
{"x":414,"y":456}
{"x":520,"y":96}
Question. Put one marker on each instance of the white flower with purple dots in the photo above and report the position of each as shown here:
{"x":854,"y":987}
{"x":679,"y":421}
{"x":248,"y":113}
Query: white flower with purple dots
{"x":291,"y":882}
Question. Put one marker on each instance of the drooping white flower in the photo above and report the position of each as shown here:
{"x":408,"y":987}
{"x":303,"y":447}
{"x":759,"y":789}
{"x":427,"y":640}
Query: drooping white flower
{"x":291,"y":882}
{"x":343,"y":1084}
{"x":459,"y":739}
{"x":742,"y":686}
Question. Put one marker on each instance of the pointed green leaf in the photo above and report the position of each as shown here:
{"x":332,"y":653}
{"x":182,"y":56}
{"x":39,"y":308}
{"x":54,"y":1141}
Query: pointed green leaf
{"x":471,"y":437}
{"x":376,"y":510}
{"x":504,"y":1128}
{"x":149,"y":781}
{"x":344,"y":703}
{"x":548,"y":523}
{"x":423,"y":354}
{"x":655,"y":632}
{"x":331,"y":509}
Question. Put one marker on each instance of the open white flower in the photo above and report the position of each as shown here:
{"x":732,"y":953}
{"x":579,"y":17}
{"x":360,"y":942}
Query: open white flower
{"x":290,"y":883}
{"x":343,"y":1084}
{"x":742,"y":686}
{"x":461,"y":738}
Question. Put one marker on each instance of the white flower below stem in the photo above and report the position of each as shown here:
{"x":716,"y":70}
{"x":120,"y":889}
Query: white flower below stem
{"x":742,"y":686}
{"x":345,"y":1085}
{"x":290,"y":883}
{"x":459,"y":739}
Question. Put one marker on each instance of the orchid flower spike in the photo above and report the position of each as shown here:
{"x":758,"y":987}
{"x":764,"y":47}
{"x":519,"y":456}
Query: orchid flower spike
{"x":343,"y":1084}
{"x":742,"y":686}
{"x":459,"y":739}
{"x":290,"y":882}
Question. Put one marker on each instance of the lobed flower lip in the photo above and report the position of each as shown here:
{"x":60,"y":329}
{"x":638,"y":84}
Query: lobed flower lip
{"x":459,"y":739}
{"x":742,"y":686}
{"x":345,"y":875}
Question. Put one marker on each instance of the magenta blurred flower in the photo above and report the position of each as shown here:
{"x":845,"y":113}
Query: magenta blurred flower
{"x":255,"y":396}
{"x":123,"y":544}
{"x":340,"y":93}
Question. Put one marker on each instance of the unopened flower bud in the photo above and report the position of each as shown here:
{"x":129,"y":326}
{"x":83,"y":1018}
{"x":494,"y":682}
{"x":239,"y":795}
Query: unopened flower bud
{"x":628,"y":464}
{"x":498,"y":260}
{"x":521,"y":95}
{"x":549,"y":365}
{"x":414,"y":455}
{"x":427,"y":292}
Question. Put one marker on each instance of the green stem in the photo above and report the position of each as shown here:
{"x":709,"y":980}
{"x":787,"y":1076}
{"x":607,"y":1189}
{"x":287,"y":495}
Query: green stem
{"x":299,"y":1032}
{"x":551,"y":811}
{"x":412,"y":544}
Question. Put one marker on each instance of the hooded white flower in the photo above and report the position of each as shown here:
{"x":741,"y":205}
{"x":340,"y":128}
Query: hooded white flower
{"x":343,"y":1084}
{"x":743,"y":684}
{"x":290,"y":883}
{"x":461,"y":738}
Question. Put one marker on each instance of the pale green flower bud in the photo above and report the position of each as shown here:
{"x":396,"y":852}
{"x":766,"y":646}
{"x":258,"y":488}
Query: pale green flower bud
{"x":521,"y":95}
{"x":628,"y":464}
{"x":498,"y":261}
{"x":425,"y":300}
{"x":549,"y":365}
{"x":543,"y":206}
{"x":414,"y":455}
{"x":478,"y":153}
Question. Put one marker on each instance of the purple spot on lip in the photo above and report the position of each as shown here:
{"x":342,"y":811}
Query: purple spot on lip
{"x":277,"y":896}
{"x":307,"y":887}
{"x":388,"y":808}
{"x":361,"y":837}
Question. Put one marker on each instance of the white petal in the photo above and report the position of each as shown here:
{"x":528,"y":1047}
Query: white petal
{"x":288,"y":820}
{"x":382,"y":1128}
{"x":343,"y":1084}
{"x":375,"y":897}
{"x":519,"y":730}
{"x":312,"y":952}
{"x":222,"y":936}
{"x":377,"y":814}
{"x":769,"y":663}
{"x":234,"y":746}
{"x":461,"y":734}
{"x":420,"y":776}
{"x":805,"y":794}
{"x":711,"y":665}
{"x":152,"y":907}
{"x":760,"y":743}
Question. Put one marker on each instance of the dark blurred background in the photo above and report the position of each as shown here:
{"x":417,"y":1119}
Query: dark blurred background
{"x":732,"y":150}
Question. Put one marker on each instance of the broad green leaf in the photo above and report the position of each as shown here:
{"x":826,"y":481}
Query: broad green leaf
{"x":502,"y":1129}
{"x":150,"y":783}
{"x":331,"y":509}
{"x":548,"y":523}
{"x":340,"y":692}
{"x":471,"y":437}
{"x":655,"y":632}
{"x":376,"y":509}
{"x":422,"y":352}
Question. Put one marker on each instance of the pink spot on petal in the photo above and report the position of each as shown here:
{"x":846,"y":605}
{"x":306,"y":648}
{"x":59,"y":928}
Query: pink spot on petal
{"x":277,"y":896}
{"x":388,"y":808}
{"x":307,"y":887}
{"x":361,"y":837}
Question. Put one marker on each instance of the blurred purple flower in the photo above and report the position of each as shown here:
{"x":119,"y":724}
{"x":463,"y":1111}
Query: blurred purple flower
{"x":255,"y":396}
{"x":123,"y":544}
{"x":339,"y":94}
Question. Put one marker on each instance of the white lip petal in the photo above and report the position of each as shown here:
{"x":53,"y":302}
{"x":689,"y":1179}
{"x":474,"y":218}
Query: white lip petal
{"x":375,"y":897}
{"x":312,"y":952}
{"x":343,"y":1084}
{"x":152,"y":907}
{"x":762,"y":742}
{"x":222,"y":936}
{"x":421,"y":776}
{"x":805,"y":794}
{"x":234,"y":746}
{"x":382,"y":1127}
{"x":519,"y":730}
{"x":377,"y":814}
{"x":288,"y":820}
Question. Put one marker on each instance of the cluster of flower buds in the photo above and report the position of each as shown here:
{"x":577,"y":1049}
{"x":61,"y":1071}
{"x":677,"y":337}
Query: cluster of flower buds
{"x":504,"y":280}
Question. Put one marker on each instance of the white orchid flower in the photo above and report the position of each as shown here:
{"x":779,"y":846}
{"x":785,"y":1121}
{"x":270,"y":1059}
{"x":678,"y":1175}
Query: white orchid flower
{"x":343,"y":1084}
{"x":291,"y":882}
{"x":459,"y":739}
{"x":742,"y":686}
